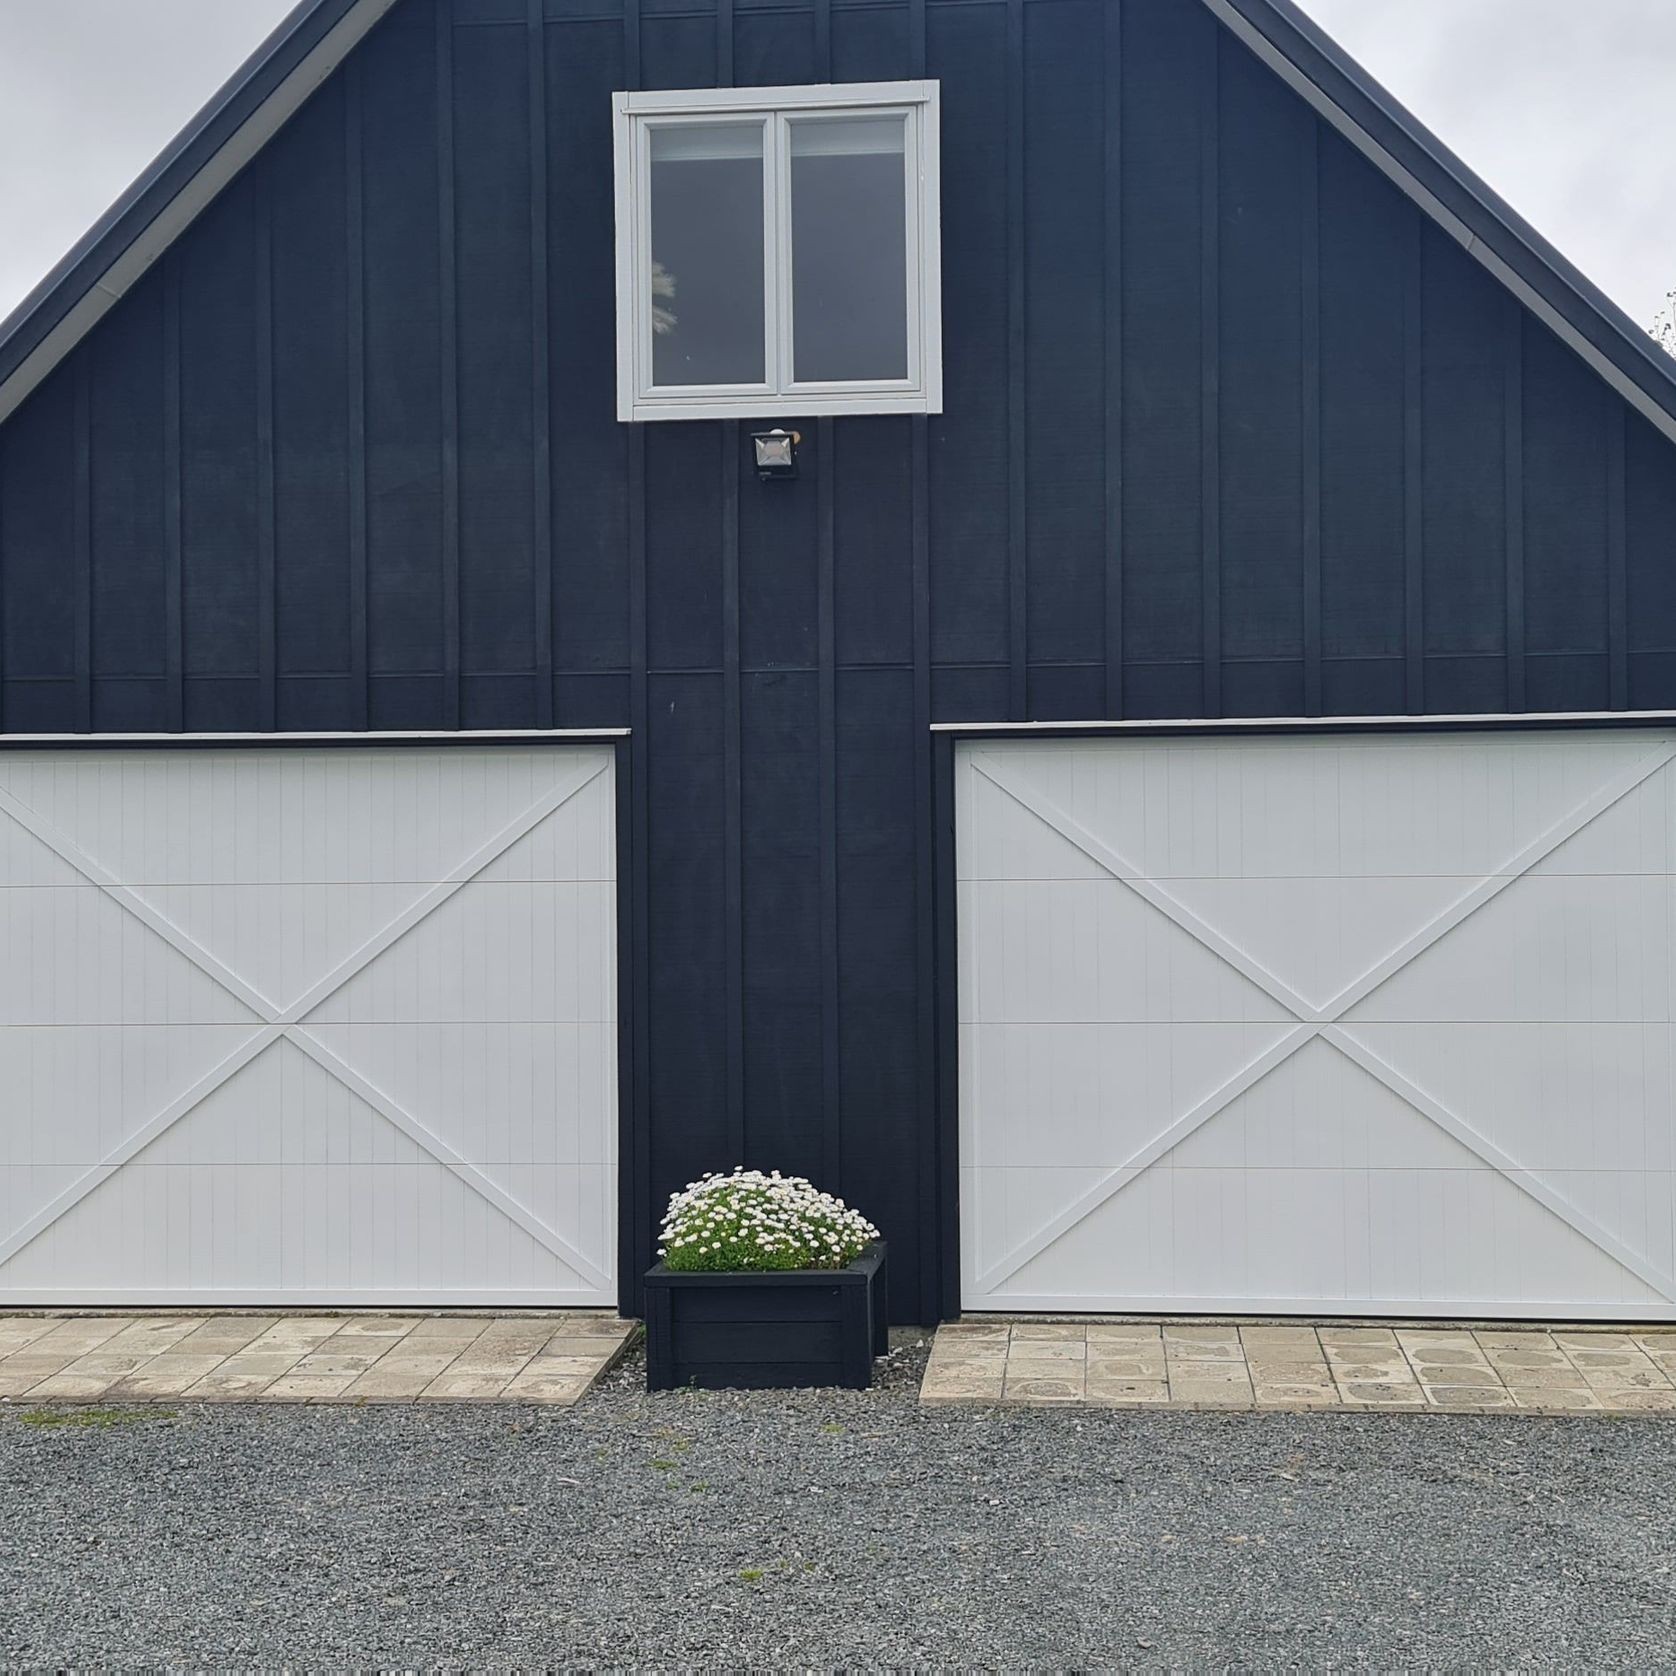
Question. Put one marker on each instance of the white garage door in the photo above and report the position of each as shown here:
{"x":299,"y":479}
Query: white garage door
{"x":1355,"y":1024}
{"x":308,"y":1025}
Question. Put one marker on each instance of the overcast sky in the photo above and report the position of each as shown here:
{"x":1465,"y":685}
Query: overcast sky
{"x":1564,"y":106}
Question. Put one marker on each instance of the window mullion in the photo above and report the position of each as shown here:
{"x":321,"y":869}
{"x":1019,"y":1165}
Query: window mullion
{"x":781,"y":234}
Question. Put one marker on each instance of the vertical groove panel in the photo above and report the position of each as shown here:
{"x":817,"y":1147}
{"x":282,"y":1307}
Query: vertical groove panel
{"x":266,"y":505}
{"x":1514,"y":463}
{"x":1210,"y":380}
{"x":448,"y":319}
{"x":1309,"y":259}
{"x":1017,"y":526}
{"x":355,"y":235}
{"x":724,"y":43}
{"x":1414,"y":503}
{"x":1112,"y":206}
{"x":174,"y":660}
{"x":1617,"y":555}
{"x":82,"y":514}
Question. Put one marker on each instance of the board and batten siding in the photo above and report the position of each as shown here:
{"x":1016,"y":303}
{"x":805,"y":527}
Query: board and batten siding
{"x":1229,"y":429}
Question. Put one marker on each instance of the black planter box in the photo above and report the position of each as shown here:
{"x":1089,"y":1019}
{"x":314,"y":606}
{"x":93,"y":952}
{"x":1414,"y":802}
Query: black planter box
{"x":802,"y":1327}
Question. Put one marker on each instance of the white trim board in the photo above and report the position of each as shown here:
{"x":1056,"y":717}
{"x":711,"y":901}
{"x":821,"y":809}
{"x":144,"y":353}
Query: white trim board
{"x":1319,"y":724}
{"x":246,"y":741}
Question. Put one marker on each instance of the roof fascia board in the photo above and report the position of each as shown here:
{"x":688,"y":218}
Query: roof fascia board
{"x":1487,"y":228}
{"x":270,"y":89}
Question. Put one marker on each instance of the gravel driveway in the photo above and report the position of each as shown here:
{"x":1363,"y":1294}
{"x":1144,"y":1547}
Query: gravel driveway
{"x":832,"y":1528}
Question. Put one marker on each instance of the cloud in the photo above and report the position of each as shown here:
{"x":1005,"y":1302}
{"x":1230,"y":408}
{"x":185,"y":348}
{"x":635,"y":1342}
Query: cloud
{"x":1566,"y":109}
{"x":1564,"y":106}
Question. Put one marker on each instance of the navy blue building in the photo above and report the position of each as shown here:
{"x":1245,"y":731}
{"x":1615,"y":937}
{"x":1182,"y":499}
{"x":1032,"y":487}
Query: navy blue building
{"x":1254,"y":403}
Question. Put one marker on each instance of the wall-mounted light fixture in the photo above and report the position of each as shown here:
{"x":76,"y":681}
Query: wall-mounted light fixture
{"x":776,"y":453}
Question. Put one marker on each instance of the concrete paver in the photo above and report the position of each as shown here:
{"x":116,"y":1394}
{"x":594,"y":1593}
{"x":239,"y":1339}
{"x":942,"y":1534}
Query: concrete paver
{"x":1295,"y":1366}
{"x":550,"y":1357}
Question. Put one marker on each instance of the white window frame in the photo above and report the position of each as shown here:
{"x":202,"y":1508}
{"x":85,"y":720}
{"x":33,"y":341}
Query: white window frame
{"x":779,"y":395}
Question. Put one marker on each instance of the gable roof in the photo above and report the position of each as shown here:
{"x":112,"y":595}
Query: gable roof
{"x":320,"y":34}
{"x":184,"y":180}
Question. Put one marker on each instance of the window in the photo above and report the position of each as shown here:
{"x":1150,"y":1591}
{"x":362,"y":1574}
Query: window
{"x":777,"y":252}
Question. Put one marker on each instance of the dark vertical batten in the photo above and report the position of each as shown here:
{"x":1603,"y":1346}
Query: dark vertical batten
{"x":541,"y":407}
{"x":1513,"y":389}
{"x":1309,"y":274}
{"x":267,"y":531}
{"x":82,"y":515}
{"x":637,"y":1184}
{"x":174,"y":656}
{"x":1617,"y":555}
{"x":729,"y":438}
{"x":1017,"y":472}
{"x":448,"y":324}
{"x":1210,"y":372}
{"x":826,"y":463}
{"x":355,"y":240}
{"x":1111,"y":200}
{"x":1414,"y":500}
{"x":927,"y":1155}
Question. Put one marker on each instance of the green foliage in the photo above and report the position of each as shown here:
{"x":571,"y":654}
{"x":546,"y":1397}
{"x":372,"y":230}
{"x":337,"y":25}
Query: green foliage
{"x":92,"y":1419}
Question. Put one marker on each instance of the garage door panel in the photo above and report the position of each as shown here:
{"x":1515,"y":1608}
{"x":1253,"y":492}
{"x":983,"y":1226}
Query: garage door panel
{"x":295,"y":816}
{"x":1489,"y":1129}
{"x":1312,"y":807}
{"x":581,"y":845}
{"x":1090,"y":1095}
{"x":292,"y":1233}
{"x":189,"y":1121}
{"x":1008,"y":840}
{"x":73,"y":956}
{"x":74,"y":1092}
{"x":512,"y":952}
{"x":1546,"y":948}
{"x":1035,"y":953}
{"x":1319,"y":1240}
{"x":1553,"y":1095}
{"x":544,"y":1093}
{"x":281,"y":938}
{"x":1318,"y":936}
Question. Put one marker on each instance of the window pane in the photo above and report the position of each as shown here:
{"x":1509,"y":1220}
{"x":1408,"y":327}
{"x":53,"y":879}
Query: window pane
{"x":707,"y":306}
{"x":849,"y":248}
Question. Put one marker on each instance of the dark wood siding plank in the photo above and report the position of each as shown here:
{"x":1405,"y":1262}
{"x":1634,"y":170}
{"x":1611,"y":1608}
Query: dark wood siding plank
{"x":408,"y":505}
{"x":1165,"y":57}
{"x":504,"y":618}
{"x":448,"y":361}
{"x":1258,"y":564}
{"x":541,"y":353}
{"x":1567,"y":615}
{"x":967,"y":51}
{"x":220,"y":580}
{"x":126,"y":516}
{"x":1464,"y":565}
{"x":1062,"y":424}
{"x":1111,"y":334}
